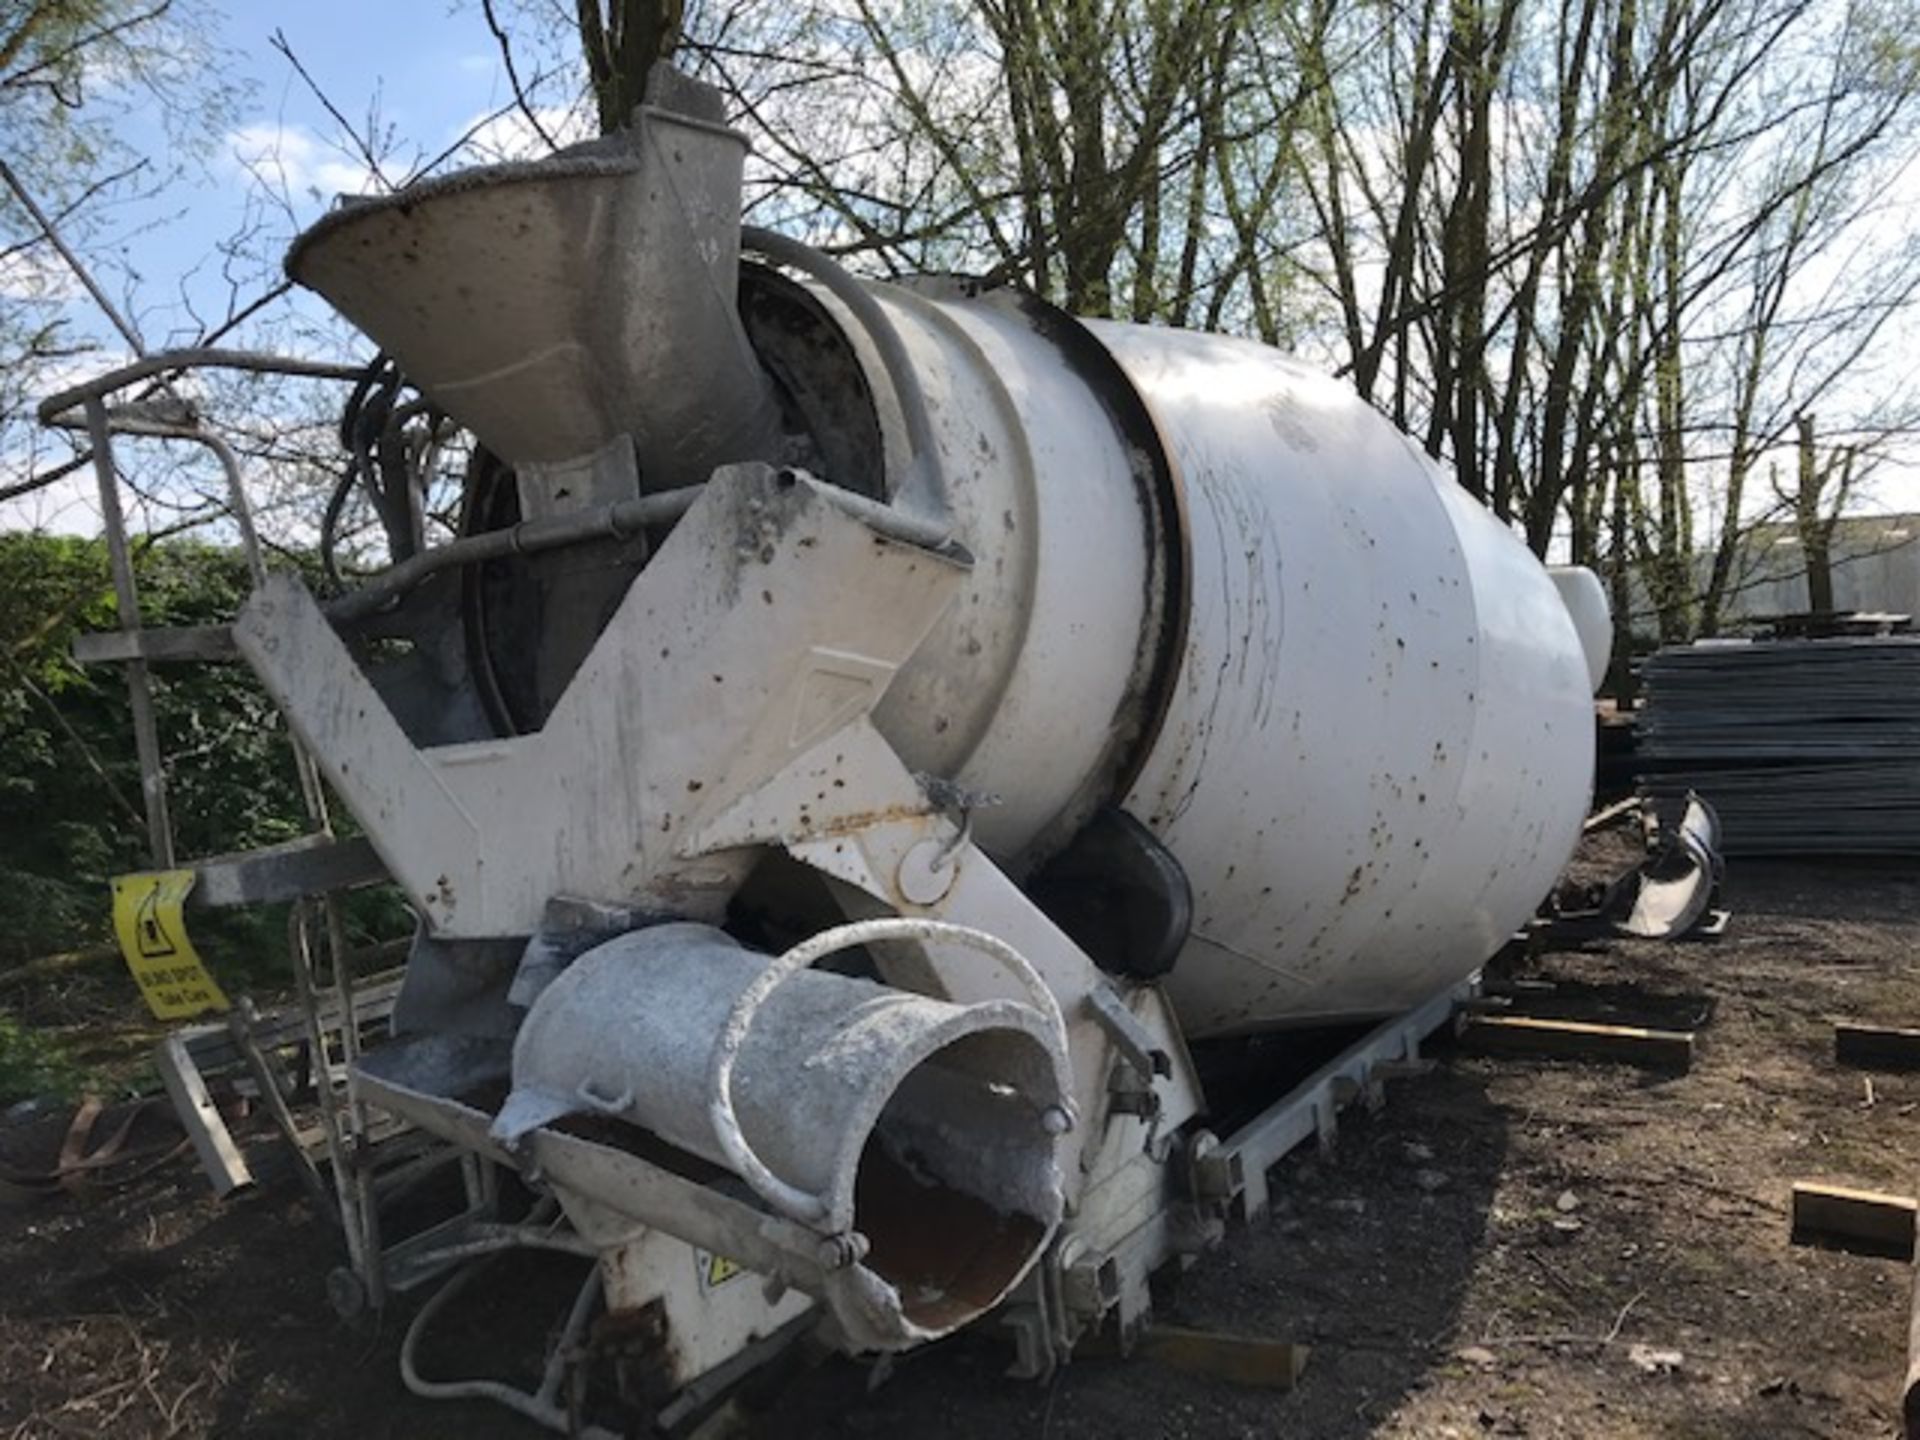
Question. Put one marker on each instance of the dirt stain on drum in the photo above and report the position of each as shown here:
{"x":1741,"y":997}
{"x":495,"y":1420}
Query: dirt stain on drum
{"x":1294,"y":433}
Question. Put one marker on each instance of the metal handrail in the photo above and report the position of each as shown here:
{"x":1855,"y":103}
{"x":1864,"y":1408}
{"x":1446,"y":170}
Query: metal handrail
{"x":52,"y":409}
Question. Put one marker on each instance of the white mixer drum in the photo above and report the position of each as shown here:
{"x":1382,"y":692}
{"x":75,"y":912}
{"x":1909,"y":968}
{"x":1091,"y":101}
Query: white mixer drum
{"x":1380,"y":748}
{"x":1374,"y":750}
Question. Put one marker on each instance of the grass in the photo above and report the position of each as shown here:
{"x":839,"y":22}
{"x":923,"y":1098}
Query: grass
{"x":33,"y":1064}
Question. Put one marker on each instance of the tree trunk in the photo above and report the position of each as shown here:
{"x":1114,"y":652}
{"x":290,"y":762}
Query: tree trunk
{"x":1815,"y":535}
{"x":621,"y":47}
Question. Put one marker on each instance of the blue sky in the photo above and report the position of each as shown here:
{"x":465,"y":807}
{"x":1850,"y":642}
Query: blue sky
{"x":427,"y":67}
{"x":426,"y":70}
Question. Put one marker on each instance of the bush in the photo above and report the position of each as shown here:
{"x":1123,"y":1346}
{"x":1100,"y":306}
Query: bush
{"x":70,"y":815}
{"x":32,"y":1065}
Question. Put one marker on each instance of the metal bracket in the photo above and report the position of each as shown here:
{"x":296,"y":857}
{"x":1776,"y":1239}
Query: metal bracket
{"x":1132,"y":1039}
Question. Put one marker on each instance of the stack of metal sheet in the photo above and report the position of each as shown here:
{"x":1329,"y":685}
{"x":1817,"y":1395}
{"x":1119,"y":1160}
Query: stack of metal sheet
{"x":1803,"y":746}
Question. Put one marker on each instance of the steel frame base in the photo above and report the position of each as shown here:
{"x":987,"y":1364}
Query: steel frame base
{"x":1311,"y":1109}
{"x":1060,"y":1303}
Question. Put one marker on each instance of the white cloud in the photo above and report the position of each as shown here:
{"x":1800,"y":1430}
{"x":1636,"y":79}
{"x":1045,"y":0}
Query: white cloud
{"x":510,"y":135}
{"x":36,"y":273}
{"x":294,"y":161}
{"x":69,"y":506}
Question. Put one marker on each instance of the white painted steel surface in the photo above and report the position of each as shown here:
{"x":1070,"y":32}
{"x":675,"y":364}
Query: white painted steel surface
{"x":1378,"y":749}
{"x":713,"y":1307}
{"x":1029,"y":684}
{"x":1586,"y":601}
{"x":1371,"y":751}
{"x":719,"y":667}
{"x":1185,"y":575}
{"x":1367,"y":705}
{"x":554,"y":306}
{"x":1381,"y":745}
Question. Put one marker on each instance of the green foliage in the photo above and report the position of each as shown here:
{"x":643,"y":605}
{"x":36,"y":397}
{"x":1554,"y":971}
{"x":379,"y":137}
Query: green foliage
{"x":70,"y":814}
{"x":74,"y":72}
{"x":32,"y":1065}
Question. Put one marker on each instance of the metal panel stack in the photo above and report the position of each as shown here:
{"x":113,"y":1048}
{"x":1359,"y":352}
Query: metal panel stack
{"x":1803,"y":746}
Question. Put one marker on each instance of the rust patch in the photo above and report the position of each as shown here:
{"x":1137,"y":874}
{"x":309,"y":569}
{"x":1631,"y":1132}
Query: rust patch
{"x":859,"y":820}
{"x":949,"y":1255}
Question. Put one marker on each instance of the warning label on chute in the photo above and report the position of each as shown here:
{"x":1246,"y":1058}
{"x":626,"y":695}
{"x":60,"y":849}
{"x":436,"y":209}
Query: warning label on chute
{"x":716,"y":1270}
{"x":153,"y":938}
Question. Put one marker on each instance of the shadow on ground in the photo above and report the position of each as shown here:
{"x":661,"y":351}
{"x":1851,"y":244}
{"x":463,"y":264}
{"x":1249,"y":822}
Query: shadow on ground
{"x":1365,"y":1258}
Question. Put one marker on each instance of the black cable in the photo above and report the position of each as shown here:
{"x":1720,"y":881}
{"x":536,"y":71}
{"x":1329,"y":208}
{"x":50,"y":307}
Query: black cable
{"x":330,"y":525}
{"x":484,"y":473}
{"x":343,"y":489}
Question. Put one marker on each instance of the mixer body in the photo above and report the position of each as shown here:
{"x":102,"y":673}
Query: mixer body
{"x":863,"y":735}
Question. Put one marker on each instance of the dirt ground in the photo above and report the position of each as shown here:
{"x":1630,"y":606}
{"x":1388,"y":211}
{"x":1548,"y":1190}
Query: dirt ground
{"x":1511,"y":1248}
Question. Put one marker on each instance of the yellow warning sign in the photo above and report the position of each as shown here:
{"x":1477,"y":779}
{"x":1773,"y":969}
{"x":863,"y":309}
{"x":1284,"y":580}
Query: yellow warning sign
{"x":716,"y":1270}
{"x":153,"y":937}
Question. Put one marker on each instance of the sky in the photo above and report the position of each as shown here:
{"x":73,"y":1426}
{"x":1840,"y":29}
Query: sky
{"x":428,"y":70}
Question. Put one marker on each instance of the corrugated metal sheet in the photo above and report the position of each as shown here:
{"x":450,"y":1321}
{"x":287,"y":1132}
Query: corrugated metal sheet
{"x":1804,"y":746}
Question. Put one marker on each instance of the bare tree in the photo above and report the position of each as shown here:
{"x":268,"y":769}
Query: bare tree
{"x":621,"y":40}
{"x":1598,"y":254}
{"x":71,"y":71}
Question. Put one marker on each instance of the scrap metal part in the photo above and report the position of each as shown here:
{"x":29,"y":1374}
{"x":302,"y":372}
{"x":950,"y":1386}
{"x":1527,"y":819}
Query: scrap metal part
{"x":1671,"y":895}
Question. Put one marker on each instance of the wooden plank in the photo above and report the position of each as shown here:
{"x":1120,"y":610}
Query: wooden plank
{"x":1862,"y":1222}
{"x":1221,"y":1355}
{"x":1876,"y":1047}
{"x":1670,"y":1050}
{"x":1910,"y":1402}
